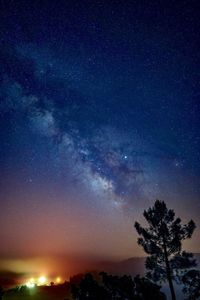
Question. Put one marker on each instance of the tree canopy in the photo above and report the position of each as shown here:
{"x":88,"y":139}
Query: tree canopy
{"x":162,"y":241}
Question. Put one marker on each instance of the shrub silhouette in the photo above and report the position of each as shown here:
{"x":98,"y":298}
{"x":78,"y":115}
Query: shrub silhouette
{"x":191,"y":281}
{"x":89,"y":289}
{"x":1,"y":292}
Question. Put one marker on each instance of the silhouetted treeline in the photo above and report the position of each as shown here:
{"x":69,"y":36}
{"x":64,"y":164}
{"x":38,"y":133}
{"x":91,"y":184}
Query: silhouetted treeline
{"x":110,"y":287}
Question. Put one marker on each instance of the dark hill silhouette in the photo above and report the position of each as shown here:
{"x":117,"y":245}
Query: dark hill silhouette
{"x":131,"y":266}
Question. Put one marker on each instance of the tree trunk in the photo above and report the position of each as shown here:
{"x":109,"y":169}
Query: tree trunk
{"x":171,"y":286}
{"x":169,"y":277}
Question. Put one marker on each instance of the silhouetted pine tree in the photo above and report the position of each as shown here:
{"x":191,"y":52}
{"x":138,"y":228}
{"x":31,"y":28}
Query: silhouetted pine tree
{"x":162,"y":241}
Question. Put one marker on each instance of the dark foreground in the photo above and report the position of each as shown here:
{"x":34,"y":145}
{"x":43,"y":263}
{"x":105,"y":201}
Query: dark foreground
{"x":100,"y":286}
{"x":60,"y":292}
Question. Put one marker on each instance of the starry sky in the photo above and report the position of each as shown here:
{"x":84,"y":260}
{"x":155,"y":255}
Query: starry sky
{"x":99,"y":106}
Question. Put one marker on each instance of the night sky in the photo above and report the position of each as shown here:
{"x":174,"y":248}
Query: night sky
{"x":99,"y":117}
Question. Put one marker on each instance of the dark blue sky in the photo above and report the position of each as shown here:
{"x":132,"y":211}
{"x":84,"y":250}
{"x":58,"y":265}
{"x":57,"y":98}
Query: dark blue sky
{"x":99,"y":117}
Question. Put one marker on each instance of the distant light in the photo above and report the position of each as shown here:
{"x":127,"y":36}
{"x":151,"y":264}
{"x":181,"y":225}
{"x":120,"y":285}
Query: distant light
{"x":30,"y":285}
{"x":42,"y":280}
{"x":32,"y":280}
{"x":125,"y":156}
{"x":58,"y":279}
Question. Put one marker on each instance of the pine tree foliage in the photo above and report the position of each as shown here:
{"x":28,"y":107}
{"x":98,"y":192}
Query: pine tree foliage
{"x":191,"y":281}
{"x":162,"y":241}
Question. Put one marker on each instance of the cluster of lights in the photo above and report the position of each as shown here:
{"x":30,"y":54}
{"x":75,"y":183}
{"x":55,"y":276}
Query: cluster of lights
{"x":30,"y":285}
{"x":42,"y":280}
